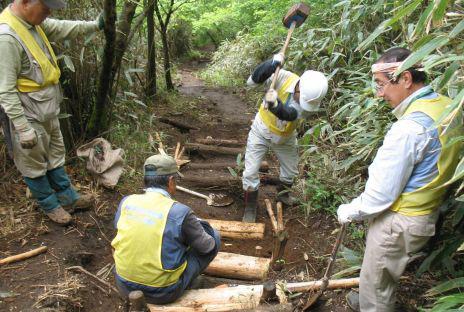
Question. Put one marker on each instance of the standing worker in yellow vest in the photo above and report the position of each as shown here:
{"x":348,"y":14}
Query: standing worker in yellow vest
{"x":160,"y":246}
{"x":274,"y":127}
{"x":30,"y":96}
{"x":405,"y":185}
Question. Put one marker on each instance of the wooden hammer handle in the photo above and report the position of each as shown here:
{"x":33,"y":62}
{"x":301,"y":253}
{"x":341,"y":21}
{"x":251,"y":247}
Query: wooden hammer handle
{"x":284,"y":48}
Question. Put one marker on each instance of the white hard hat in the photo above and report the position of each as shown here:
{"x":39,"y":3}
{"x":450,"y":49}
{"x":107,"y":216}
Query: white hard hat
{"x":313,"y":88}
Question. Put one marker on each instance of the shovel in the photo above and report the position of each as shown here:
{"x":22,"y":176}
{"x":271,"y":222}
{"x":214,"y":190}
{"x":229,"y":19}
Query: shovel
{"x":328,"y":272}
{"x":217,"y":200}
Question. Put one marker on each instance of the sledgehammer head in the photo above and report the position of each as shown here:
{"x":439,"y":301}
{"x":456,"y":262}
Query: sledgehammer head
{"x":297,"y":13}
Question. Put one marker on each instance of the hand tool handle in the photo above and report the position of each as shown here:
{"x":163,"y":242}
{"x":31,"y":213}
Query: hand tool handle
{"x":284,"y":48}
{"x":180,"y":188}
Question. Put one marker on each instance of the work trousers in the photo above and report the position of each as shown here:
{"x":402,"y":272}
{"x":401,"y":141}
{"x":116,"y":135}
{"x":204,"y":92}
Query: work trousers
{"x":196,"y":263}
{"x":391,"y":242}
{"x":46,"y":155}
{"x":258,"y":144}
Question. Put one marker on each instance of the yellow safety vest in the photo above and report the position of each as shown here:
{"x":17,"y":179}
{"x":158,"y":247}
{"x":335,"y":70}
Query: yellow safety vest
{"x":426,"y":199}
{"x":139,"y":241}
{"x":50,"y":71}
{"x":270,"y":120}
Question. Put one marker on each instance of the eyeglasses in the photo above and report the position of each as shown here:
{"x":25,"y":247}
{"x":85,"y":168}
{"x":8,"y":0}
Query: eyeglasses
{"x":379,"y":86}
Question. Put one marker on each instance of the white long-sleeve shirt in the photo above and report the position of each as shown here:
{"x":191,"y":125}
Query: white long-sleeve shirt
{"x":404,"y":146}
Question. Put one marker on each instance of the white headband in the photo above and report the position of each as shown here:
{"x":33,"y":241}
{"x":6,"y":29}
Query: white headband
{"x":385,"y":67}
{"x":389,"y":67}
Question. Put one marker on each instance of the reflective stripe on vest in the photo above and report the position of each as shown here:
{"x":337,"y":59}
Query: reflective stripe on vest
{"x":50,"y":72}
{"x":426,"y":199}
{"x":138,"y":243}
{"x":270,"y":120}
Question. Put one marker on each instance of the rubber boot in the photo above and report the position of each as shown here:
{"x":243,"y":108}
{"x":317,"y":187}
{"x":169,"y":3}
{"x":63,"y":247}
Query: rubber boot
{"x":284,"y":194}
{"x":251,"y":204}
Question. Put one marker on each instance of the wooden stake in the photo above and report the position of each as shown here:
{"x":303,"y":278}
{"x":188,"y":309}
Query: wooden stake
{"x":280,"y":235}
{"x":238,"y":230}
{"x":137,"y":301}
{"x":270,"y":212}
{"x":24,"y":255}
{"x":238,"y":266}
{"x":269,"y":292}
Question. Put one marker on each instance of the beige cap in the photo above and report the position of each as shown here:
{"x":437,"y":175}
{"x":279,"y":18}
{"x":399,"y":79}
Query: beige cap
{"x":164,"y":165}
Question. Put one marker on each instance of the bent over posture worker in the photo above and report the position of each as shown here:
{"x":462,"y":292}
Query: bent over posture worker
{"x":30,"y":95}
{"x":274,"y":127}
{"x":160,"y":246}
{"x":405,"y":185}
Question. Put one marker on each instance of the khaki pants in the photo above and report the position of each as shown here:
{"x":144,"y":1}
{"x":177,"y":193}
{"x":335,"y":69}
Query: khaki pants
{"x":391,"y":241}
{"x":48,"y":154}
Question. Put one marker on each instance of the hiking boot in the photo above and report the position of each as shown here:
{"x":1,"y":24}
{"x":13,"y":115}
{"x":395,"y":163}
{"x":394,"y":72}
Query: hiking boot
{"x":251,"y":204}
{"x":352,"y":299}
{"x":60,"y":216}
{"x":83,"y":203}
{"x":284,"y":194}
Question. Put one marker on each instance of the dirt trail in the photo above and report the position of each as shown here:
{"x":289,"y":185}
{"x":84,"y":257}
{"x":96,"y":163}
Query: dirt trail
{"x":43,"y":283}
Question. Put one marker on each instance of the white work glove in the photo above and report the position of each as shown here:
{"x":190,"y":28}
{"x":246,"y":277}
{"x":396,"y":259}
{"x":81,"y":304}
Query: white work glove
{"x":270,"y":99}
{"x":345,"y":214}
{"x":27,"y":136}
{"x":278,"y":59}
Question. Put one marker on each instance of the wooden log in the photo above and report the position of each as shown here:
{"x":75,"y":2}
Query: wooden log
{"x":222,"y":182}
{"x":24,"y":255}
{"x":180,"y":125}
{"x":213,"y":149}
{"x":238,"y":230}
{"x":222,"y":165}
{"x":315,"y":285}
{"x":219,"y":142}
{"x":241,"y":297}
{"x":238,"y":266}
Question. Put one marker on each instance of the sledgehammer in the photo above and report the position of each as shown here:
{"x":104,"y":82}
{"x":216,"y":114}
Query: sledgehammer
{"x":294,"y":18}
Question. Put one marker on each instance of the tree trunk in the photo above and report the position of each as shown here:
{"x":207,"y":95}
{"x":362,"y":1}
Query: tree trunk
{"x":151,"y":58}
{"x":238,"y":230}
{"x":98,"y":120}
{"x":167,"y":62}
{"x":238,"y":266}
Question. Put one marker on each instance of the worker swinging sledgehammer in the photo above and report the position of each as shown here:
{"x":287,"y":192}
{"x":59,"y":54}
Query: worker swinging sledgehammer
{"x":275,"y":126}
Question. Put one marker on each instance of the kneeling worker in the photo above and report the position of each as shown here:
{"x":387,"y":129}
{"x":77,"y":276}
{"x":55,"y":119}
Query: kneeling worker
{"x":160,"y":246}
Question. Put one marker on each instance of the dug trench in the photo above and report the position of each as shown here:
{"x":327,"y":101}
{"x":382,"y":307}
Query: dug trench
{"x":45,"y":283}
